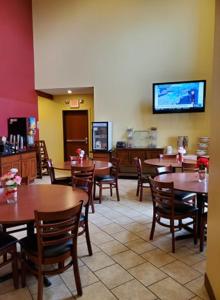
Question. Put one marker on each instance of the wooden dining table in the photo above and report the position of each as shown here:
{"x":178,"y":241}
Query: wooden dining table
{"x":189,"y":182}
{"x":41,"y":197}
{"x":166,"y":162}
{"x":99,"y":165}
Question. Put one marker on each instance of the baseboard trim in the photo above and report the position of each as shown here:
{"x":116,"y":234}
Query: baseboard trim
{"x":209,"y":288}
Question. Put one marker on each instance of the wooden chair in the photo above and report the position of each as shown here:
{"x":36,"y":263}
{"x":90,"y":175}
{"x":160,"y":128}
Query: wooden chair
{"x":86,"y":184}
{"x":86,"y":173}
{"x":54,"y":242}
{"x":8,"y":246}
{"x":203,"y":225}
{"x":108,"y":181}
{"x":42,"y":157}
{"x":188,"y":167}
{"x":142,"y":181}
{"x":165,"y":205}
{"x":57,"y":180}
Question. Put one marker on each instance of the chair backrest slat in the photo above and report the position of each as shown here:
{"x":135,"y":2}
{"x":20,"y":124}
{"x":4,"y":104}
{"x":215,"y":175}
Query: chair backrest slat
{"x":163,"y":194}
{"x":55,"y":228}
{"x":115,"y":167}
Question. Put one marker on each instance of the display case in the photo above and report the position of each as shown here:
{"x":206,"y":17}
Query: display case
{"x":101,"y":136}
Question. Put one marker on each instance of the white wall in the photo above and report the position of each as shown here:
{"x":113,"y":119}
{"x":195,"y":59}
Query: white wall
{"x":121,"y":47}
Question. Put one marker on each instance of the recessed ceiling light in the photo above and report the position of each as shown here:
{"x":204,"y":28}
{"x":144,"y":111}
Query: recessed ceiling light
{"x":69,"y":92}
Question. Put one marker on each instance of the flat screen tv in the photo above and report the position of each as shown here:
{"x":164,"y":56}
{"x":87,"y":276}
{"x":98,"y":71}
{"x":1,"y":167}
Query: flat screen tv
{"x":179,"y":97}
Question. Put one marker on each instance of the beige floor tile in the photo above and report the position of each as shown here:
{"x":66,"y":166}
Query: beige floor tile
{"x":125,"y":236}
{"x":133,"y":290}
{"x":168,"y":289}
{"x":87,"y":278}
{"x":135,"y":227}
{"x":122,"y":220}
{"x":120,"y":276}
{"x":113,"y":228}
{"x":144,"y":234}
{"x":55,"y":281}
{"x":98,"y":261}
{"x":142,"y":219}
{"x":192,"y":259}
{"x":97,"y":291}
{"x":23,"y":294}
{"x":197,"y":287}
{"x":139,"y":246}
{"x":83,"y":250}
{"x":55,"y":293}
{"x":6,"y":286}
{"x":180,"y":272}
{"x":128,"y":259}
{"x":181,"y":252}
{"x":201,"y":266}
{"x":147,"y":273}
{"x":113,"y":247}
{"x":158,"y":257}
{"x":100,"y":237}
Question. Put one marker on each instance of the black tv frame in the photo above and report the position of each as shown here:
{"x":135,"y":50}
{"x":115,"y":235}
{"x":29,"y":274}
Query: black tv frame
{"x":173,"y":110}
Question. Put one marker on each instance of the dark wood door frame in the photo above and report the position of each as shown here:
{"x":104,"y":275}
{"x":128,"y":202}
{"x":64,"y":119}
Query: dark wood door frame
{"x":76,"y":132}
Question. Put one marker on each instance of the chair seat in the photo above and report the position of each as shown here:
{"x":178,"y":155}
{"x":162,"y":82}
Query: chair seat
{"x":29,"y":244}
{"x":179,"y":195}
{"x":104,"y":178}
{"x":63,"y":180}
{"x":179,"y":209}
{"x":6,"y":240}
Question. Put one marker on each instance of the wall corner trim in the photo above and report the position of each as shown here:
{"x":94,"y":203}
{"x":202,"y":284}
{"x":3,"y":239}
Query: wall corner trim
{"x":209,"y":288}
{"x":44,"y":95}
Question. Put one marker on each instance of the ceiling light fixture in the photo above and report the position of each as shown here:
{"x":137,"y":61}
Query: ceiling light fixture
{"x":69,"y":92}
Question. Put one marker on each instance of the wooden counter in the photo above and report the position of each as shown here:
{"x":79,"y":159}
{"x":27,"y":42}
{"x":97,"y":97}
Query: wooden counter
{"x":25,"y":162}
{"x":127,"y":155}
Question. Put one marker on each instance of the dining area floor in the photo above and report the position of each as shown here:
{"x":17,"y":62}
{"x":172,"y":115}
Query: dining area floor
{"x":125,"y":264}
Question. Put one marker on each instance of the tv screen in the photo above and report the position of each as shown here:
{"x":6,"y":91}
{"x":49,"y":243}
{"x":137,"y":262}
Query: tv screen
{"x":179,"y":97}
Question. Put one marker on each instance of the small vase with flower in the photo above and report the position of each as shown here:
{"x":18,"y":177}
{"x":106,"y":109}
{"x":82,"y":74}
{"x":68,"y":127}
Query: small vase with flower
{"x":202,"y":165}
{"x":80,"y":153}
{"x":11,"y":181}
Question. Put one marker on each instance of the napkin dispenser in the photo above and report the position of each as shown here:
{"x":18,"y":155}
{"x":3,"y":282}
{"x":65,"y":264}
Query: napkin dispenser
{"x":121,"y":144}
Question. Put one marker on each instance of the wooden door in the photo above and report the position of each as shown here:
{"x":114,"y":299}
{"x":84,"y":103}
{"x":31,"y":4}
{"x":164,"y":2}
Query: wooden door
{"x":75,"y":132}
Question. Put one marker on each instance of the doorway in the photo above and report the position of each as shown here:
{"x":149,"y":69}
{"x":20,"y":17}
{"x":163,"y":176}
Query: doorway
{"x":75,"y":132}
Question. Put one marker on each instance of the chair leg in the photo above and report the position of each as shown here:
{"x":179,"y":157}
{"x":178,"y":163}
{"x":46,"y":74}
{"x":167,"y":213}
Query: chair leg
{"x":15,"y":268}
{"x":202,"y":235}
{"x":40,"y":284}
{"x":137,"y":192}
{"x":153,"y":227}
{"x":100,"y":193}
{"x":92,"y":203}
{"x":195,"y":234}
{"x":88,"y":239}
{"x":141,"y":193}
{"x":117,"y":192}
{"x":173,"y":235}
{"x":23,"y":271}
{"x":111,"y":190}
{"x":76,"y":274}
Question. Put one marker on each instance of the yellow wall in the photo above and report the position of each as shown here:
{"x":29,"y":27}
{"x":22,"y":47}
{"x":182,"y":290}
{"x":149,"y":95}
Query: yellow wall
{"x":120,"y":47}
{"x":51,"y":121}
{"x":213,"y":253}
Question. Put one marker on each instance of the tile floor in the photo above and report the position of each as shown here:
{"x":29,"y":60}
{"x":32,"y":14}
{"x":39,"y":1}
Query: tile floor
{"x":125,"y":264}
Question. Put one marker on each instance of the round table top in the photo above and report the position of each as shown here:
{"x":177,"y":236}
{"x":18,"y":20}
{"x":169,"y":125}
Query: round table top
{"x":42,"y":197}
{"x":185,"y":182}
{"x":166,"y":162}
{"x":99,"y":165}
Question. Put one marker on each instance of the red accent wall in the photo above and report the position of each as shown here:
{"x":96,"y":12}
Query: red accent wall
{"x":17,"y":94}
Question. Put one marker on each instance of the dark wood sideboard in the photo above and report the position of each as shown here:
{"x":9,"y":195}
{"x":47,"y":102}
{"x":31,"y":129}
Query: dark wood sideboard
{"x":25,"y":162}
{"x":127,"y":155}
